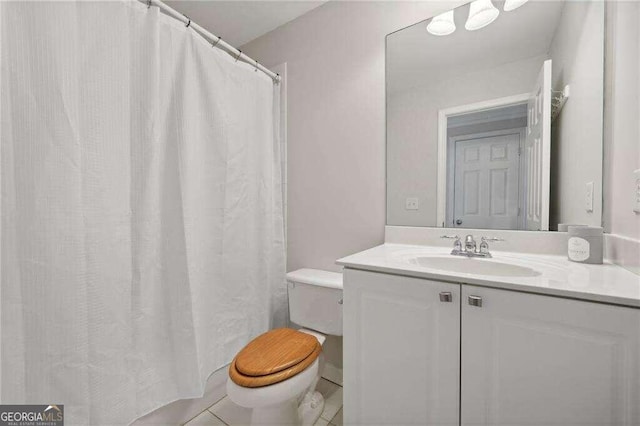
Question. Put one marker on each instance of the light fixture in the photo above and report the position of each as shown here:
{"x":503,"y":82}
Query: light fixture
{"x":442,"y":24}
{"x":481,"y":14}
{"x":510,"y":5}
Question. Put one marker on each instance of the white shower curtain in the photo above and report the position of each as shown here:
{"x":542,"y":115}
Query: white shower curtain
{"x":142,"y":224}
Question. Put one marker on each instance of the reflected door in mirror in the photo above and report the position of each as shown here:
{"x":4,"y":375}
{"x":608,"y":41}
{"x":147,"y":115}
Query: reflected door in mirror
{"x":486,"y":190}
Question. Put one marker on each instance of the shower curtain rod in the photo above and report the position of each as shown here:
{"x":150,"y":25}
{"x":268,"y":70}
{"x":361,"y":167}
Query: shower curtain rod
{"x":215,"y":40}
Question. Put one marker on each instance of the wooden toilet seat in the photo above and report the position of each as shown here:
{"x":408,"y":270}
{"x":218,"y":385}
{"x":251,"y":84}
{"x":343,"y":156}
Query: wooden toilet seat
{"x":274,"y":357}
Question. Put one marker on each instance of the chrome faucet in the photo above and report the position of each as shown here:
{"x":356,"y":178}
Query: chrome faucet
{"x":470,"y":244}
{"x":471,"y":248}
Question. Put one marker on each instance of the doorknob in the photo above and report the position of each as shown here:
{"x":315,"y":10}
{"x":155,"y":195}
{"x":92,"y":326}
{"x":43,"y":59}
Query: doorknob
{"x":458,"y":222}
{"x":445,"y":296}
{"x":475,"y":301}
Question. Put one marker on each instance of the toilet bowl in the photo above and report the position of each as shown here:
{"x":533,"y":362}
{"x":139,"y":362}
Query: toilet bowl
{"x":275,"y":375}
{"x":290,"y":401}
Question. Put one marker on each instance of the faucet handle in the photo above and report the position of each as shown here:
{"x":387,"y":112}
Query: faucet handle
{"x":457,"y":244}
{"x":491,"y":239}
{"x":484,"y":245}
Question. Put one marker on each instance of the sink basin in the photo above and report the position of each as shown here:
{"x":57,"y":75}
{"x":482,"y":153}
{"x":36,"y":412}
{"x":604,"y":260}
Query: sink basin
{"x":474,"y":266}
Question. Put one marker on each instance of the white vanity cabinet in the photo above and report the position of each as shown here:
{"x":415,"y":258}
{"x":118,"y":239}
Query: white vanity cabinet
{"x":530,"y":359}
{"x":489,"y":357}
{"x":401,"y":350}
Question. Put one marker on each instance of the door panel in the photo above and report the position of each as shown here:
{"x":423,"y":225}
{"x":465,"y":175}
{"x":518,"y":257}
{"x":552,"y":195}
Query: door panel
{"x":486,"y":181}
{"x":401,"y":351}
{"x":538,"y":360}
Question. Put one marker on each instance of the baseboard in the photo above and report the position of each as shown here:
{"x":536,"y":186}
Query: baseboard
{"x":183,"y":410}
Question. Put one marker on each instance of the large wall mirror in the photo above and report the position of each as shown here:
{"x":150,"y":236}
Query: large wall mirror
{"x":495,"y":116}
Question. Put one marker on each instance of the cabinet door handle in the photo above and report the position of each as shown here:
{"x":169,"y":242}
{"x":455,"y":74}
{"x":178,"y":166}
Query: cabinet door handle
{"x":475,"y":301}
{"x":445,"y":296}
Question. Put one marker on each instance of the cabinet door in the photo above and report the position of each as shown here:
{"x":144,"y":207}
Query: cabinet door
{"x":539,"y":360}
{"x":401,"y":350}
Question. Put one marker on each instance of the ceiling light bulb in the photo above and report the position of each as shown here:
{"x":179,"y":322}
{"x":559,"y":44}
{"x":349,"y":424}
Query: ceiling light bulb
{"x":481,"y":14}
{"x":442,"y":24}
{"x":510,"y":5}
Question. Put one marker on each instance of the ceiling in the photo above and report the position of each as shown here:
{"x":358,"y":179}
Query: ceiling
{"x":414,"y":56}
{"x":239,"y":22}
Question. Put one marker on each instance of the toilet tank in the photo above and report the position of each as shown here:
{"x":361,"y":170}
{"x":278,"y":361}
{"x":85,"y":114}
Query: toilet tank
{"x":315,"y":300}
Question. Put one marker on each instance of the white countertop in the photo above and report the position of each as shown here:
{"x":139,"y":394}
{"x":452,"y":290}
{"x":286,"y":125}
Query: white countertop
{"x":607,"y":283}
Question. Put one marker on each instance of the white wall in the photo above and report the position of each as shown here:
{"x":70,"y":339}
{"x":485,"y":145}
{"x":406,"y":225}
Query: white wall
{"x":622,"y":118}
{"x":335,"y":59}
{"x":412,"y":132}
{"x":577,"y":50}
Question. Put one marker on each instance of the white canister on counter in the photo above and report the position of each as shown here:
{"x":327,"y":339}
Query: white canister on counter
{"x":585,"y":244}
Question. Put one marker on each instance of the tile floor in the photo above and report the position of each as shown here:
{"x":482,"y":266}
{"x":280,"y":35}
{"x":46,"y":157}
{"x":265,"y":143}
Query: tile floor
{"x":226,"y":413}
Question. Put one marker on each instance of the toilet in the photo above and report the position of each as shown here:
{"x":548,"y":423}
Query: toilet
{"x":275,"y":375}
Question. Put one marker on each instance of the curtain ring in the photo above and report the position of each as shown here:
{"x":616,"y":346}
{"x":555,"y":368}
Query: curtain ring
{"x":188,"y":23}
{"x":256,"y":66}
{"x":239,"y":54}
{"x":214,"y":44}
